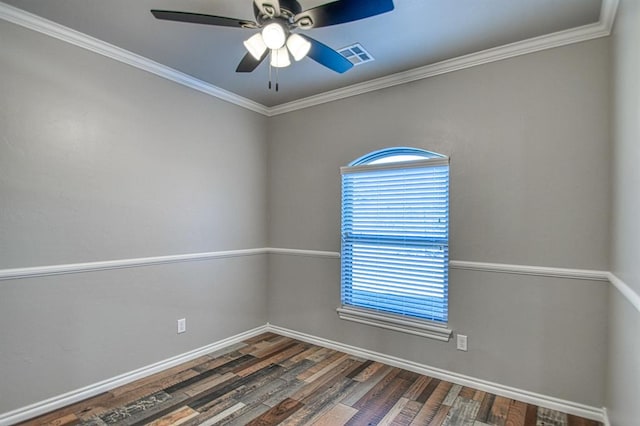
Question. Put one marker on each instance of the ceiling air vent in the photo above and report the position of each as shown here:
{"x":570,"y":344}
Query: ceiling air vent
{"x":356,"y":54}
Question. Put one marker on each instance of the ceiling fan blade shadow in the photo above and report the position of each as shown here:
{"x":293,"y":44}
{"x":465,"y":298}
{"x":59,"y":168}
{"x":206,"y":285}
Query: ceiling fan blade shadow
{"x":198,"y":18}
{"x":249,"y":63}
{"x":342,"y":11}
{"x":324,"y":55}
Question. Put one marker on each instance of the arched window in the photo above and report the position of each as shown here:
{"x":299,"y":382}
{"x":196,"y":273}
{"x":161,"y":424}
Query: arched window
{"x":395,"y":241}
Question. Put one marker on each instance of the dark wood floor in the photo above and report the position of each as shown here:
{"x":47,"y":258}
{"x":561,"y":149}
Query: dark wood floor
{"x":271,"y":379}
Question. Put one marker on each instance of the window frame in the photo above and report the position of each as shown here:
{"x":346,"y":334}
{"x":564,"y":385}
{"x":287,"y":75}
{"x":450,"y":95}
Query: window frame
{"x":398,"y":322}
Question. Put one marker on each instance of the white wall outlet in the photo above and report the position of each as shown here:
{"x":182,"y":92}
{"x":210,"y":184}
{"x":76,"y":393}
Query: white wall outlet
{"x":182,"y":325}
{"x":461,"y":342}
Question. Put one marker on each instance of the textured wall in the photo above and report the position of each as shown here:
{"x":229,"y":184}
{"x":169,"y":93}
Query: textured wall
{"x":100,"y":161}
{"x":624,"y":320}
{"x":529,"y":147}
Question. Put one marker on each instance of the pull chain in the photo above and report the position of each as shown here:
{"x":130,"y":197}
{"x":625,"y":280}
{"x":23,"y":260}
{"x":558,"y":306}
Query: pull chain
{"x":270,"y":73}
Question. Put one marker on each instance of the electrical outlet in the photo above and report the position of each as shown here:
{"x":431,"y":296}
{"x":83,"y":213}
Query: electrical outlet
{"x":461,"y":343}
{"x":182,"y":325}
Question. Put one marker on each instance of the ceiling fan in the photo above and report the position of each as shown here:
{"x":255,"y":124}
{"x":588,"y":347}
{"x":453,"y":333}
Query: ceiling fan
{"x":279,"y":20}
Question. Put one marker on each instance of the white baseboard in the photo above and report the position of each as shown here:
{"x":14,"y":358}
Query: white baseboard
{"x":77,"y":395}
{"x":605,"y":415}
{"x":39,"y":408}
{"x":568,"y":407}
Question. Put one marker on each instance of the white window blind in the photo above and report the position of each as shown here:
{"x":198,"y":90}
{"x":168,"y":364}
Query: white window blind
{"x":395,"y":233}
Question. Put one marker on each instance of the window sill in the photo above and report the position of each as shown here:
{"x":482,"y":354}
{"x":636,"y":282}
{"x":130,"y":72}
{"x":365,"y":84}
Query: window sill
{"x":392,"y":322}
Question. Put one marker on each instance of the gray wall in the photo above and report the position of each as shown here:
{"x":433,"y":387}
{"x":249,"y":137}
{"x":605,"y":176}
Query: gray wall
{"x":101,"y":161}
{"x":623,"y":390}
{"x":529,"y":144}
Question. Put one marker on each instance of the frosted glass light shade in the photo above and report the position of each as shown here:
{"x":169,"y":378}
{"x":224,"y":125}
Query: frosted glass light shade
{"x":280,"y":58}
{"x":298,"y":46}
{"x":255,"y":45}
{"x":274,"y":36}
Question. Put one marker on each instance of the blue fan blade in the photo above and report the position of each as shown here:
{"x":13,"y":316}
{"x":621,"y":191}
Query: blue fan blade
{"x":324,"y":55}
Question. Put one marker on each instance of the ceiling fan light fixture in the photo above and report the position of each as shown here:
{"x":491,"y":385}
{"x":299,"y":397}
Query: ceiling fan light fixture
{"x":274,"y":35}
{"x":256,"y":46}
{"x":280,"y":58}
{"x":298,"y":46}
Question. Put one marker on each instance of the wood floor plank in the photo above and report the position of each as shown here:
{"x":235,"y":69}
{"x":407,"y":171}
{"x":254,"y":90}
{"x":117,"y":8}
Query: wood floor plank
{"x":261,"y":345}
{"x":243,"y":416}
{"x":394,"y":412}
{"x":382,"y":397}
{"x":336,"y":416}
{"x":277,"y":414}
{"x":274,"y":358}
{"x":320,"y":355}
{"x":78,"y":407}
{"x":212,"y":410}
{"x":499,"y":411}
{"x":208,"y":383}
{"x":550,"y":417}
{"x":68,"y":420}
{"x":433,"y":404}
{"x":177,"y":417}
{"x":258,"y":382}
{"x":428,"y":390}
{"x":376,"y":391}
{"x":288,"y":391}
{"x":462,"y":413}
{"x":294,"y":370}
{"x":328,"y":368}
{"x":237,"y":387}
{"x":271,"y":394}
{"x":334,"y":357}
{"x":418,"y":387}
{"x":485,"y":408}
{"x":139,"y":392}
{"x":151,"y":407}
{"x":300,"y":357}
{"x":579,"y":421}
{"x":531,"y":417}
{"x":159,"y":377}
{"x":467,"y":392}
{"x":223,"y":414}
{"x":369,"y":372}
{"x":440,"y":416}
{"x":517,"y":413}
{"x":408,"y":413}
{"x":360,"y":369}
{"x":330,"y":377}
{"x":218,"y":362}
{"x":321,"y":402}
{"x":452,"y":395}
{"x":277,"y":346}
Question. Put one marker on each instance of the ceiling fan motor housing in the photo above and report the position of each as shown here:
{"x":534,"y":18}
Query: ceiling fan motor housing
{"x":288,"y":9}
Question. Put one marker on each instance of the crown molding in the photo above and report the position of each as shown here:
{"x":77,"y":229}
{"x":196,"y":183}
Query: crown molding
{"x":76,"y":38}
{"x":602,"y":28}
{"x":562,"y":38}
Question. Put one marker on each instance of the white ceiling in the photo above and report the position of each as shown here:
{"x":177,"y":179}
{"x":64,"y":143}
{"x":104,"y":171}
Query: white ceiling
{"x":416,"y":34}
